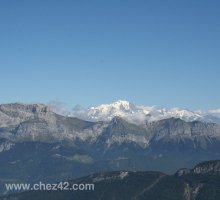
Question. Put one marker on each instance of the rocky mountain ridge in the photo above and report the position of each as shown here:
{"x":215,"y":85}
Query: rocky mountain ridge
{"x":133,"y":185}
{"x":38,"y":144}
{"x":38,"y":122}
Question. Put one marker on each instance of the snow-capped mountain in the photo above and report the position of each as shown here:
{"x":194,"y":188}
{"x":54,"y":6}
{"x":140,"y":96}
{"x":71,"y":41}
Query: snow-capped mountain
{"x":106,"y":112}
{"x":138,"y":114}
{"x":32,"y":136}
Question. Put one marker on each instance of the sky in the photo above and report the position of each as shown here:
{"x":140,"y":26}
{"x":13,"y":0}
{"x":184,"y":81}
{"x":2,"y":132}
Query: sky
{"x":149,"y":52}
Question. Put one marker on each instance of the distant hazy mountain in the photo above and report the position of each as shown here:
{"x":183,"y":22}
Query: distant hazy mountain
{"x":138,"y":114}
{"x":200,"y":183}
{"x":38,"y":144}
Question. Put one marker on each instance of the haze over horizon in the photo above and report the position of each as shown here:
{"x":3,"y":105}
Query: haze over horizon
{"x":90,"y":53}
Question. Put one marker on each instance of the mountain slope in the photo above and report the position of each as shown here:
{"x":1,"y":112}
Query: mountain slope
{"x":38,"y":123}
{"x":200,"y":183}
{"x":186,"y":136}
{"x":38,"y":144}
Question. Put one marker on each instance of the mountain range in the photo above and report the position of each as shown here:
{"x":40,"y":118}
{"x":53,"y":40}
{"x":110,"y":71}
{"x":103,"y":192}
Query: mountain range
{"x":139,"y":114}
{"x":199,"y":183}
{"x":39,"y":144}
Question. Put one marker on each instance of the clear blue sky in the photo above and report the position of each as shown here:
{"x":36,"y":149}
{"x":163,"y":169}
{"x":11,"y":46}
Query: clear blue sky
{"x":90,"y":52}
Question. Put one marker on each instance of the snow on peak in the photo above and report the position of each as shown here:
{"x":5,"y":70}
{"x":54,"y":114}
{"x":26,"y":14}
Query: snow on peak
{"x":107,"y":111}
{"x":118,"y":106}
{"x":137,"y":114}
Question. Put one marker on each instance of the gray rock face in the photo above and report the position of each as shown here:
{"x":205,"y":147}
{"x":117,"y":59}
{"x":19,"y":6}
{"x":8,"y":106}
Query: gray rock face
{"x":171,"y":128}
{"x":120,"y":131}
{"x":6,"y":146}
{"x":176,"y":134}
{"x":183,"y":172}
{"x":13,"y":114}
{"x":36,"y":122}
{"x":207,"y":168}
